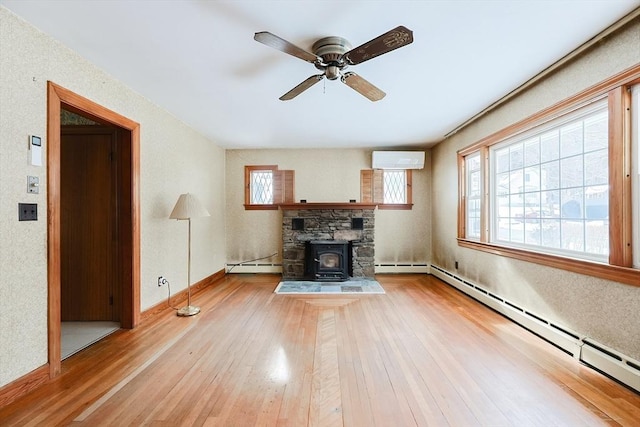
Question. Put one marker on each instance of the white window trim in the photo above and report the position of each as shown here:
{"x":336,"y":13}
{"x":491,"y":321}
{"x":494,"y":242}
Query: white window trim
{"x":468,"y":191}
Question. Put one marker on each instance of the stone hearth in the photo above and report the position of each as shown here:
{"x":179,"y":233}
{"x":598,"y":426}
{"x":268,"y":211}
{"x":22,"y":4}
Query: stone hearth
{"x":302,"y":222}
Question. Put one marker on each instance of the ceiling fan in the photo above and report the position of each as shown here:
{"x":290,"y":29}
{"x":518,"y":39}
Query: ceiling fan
{"x":332,"y":55}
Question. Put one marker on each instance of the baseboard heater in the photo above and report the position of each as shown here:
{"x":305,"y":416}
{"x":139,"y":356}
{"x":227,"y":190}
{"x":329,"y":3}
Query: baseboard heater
{"x":254,"y":268}
{"x":379,"y":268}
{"x":391,"y":268}
{"x":612,"y":363}
{"x":608,"y":361}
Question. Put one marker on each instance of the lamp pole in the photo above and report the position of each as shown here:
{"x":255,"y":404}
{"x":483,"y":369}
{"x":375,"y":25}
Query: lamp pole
{"x":188,"y":207}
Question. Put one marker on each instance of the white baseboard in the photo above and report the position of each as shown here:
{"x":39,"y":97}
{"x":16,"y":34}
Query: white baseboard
{"x":399,"y":268}
{"x":567,"y":340}
{"x":612,"y":363}
{"x":606,"y":360}
{"x":379,"y":268}
{"x":254,"y":268}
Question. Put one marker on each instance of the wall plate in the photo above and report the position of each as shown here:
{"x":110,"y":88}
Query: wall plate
{"x":27,"y":212}
{"x":33,"y":184}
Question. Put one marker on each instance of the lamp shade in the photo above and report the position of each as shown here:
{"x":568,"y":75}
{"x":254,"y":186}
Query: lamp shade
{"x":187,"y":207}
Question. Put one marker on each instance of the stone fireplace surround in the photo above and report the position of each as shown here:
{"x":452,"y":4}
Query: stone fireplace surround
{"x":327,"y":221}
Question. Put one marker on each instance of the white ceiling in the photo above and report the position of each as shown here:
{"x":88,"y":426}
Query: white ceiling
{"x":198,"y":60}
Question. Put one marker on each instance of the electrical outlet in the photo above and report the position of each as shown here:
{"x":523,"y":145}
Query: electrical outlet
{"x":161,"y":281}
{"x":27,"y":212}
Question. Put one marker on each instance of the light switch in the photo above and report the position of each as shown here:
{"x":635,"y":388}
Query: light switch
{"x":33,"y":184}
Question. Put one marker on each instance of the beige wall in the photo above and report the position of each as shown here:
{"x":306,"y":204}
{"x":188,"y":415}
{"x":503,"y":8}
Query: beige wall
{"x":605,"y":311}
{"x":174,"y":159}
{"x":323,"y":176}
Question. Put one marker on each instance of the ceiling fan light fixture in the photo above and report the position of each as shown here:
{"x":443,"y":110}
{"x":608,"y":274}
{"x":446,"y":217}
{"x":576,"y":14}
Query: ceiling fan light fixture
{"x":332,"y":72}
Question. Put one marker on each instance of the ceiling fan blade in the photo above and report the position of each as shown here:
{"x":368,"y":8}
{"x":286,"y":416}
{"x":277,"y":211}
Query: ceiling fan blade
{"x":362,"y":86}
{"x":301,"y":87}
{"x":391,"y":40}
{"x":281,"y":44}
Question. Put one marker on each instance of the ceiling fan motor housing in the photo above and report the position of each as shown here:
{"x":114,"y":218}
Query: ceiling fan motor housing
{"x":331,"y":49}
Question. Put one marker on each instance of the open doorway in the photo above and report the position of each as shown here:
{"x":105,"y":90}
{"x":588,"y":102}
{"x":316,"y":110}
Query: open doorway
{"x":92,"y":171}
{"x":93,"y":236}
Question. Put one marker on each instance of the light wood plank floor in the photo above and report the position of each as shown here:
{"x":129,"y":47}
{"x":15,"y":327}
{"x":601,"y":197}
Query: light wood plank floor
{"x":422,"y":354}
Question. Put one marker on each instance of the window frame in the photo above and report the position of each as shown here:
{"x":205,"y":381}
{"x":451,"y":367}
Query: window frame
{"x":467,"y":191}
{"x":619,"y":267}
{"x":580,"y":117}
{"x":283,"y":187}
{"x":635,"y":171}
{"x":372,"y":190}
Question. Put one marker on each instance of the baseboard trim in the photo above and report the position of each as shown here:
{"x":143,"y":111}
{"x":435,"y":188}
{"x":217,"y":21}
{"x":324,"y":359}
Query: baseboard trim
{"x":402,"y":268}
{"x":612,"y":363}
{"x":23,"y":385}
{"x":181,"y":296}
{"x":254,"y":268}
{"x":39,"y":376}
{"x":383,"y":268}
{"x":563,"y":338}
{"x":606,"y":360}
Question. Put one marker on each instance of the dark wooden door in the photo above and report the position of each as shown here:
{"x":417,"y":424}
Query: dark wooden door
{"x":88,"y":224}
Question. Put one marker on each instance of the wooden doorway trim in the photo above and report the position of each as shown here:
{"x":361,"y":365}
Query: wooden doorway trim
{"x":57,"y":96}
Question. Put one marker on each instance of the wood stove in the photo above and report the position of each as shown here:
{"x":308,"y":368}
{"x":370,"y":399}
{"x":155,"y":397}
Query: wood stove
{"x":328,"y":260}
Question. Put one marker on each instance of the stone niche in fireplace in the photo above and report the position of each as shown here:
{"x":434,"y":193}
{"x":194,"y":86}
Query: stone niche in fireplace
{"x":327,"y":241}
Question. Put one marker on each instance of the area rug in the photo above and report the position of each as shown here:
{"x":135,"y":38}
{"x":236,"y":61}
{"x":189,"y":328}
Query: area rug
{"x":351,"y":286}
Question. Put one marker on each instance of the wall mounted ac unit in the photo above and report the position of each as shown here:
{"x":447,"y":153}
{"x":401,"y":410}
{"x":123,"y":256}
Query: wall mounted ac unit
{"x":398,"y":160}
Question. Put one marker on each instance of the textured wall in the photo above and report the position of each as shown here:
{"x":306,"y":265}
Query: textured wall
{"x":174,"y":159}
{"x":324,"y":176}
{"x":605,"y":311}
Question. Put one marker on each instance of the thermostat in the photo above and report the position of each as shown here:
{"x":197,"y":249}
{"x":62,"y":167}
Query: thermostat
{"x":35,"y":150}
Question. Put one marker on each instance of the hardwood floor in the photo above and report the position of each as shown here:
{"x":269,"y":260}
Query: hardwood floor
{"x":422,"y":354}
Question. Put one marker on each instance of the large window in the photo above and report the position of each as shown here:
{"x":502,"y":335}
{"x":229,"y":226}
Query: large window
{"x":266,"y":187}
{"x":550,"y":186}
{"x":560,"y":188}
{"x":388,"y":188}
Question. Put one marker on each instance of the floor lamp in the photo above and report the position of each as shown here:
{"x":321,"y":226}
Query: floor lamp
{"x":187,"y":207}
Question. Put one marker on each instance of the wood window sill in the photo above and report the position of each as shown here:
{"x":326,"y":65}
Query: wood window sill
{"x":399,"y":207}
{"x":260,"y":207}
{"x":626,"y":275}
